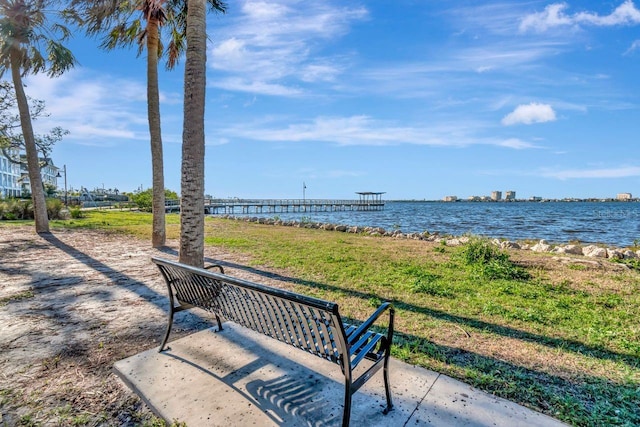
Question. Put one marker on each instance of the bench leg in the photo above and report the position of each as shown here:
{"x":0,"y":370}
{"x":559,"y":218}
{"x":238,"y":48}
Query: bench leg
{"x":166,"y":335}
{"x":219,"y":322}
{"x":387,"y":387}
{"x":346,"y":415}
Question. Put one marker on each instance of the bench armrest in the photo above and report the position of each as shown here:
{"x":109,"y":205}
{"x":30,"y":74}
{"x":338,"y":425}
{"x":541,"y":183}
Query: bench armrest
{"x":218,"y":266}
{"x":371,"y":320}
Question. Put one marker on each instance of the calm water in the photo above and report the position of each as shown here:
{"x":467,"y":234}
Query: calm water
{"x":612,"y":223}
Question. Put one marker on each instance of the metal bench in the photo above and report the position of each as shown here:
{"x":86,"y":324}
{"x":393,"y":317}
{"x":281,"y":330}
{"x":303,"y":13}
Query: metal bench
{"x":310,"y":324}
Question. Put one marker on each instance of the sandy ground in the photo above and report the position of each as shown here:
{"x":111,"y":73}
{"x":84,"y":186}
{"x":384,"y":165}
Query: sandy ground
{"x":71,"y":304}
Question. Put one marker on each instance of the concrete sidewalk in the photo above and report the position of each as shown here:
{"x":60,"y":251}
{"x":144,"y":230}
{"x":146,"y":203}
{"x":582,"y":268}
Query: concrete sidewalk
{"x":237,"y":377}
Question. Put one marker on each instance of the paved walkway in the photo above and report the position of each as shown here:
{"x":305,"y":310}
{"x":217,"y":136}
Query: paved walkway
{"x":237,"y":377}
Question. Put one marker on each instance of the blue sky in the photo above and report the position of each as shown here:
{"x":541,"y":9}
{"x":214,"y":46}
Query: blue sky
{"x":419,"y":99}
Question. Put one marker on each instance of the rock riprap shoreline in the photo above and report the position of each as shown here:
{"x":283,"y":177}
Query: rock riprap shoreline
{"x":590,"y":250}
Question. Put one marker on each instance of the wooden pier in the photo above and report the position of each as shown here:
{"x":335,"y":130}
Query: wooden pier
{"x":368,"y":201}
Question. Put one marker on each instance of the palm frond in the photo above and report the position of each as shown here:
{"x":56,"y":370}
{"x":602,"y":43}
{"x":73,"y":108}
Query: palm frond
{"x":60,"y":58}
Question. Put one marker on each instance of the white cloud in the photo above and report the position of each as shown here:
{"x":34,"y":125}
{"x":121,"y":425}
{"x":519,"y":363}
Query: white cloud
{"x":97,"y":109}
{"x":621,"y":172}
{"x":484,"y":68}
{"x":319,"y":72}
{"x":517,"y":144}
{"x":261,"y":11}
{"x":625,"y":14}
{"x":529,"y":114}
{"x":277,"y":44}
{"x":464,"y":71}
{"x":634,"y":46}
{"x":240,"y":84}
{"x":554,"y":16}
{"x":366,"y":131}
{"x":355,"y":130}
{"x":232,"y":50}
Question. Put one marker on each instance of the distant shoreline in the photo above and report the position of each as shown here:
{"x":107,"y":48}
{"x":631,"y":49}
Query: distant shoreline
{"x":566,"y":200}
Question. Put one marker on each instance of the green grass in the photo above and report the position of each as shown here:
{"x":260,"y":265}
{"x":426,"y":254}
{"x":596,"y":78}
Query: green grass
{"x":562,"y":339}
{"x":16,"y":297}
{"x":133,"y":222}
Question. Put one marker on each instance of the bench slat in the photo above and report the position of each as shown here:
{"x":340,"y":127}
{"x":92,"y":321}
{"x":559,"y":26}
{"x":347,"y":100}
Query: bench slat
{"x":300,"y":324}
{"x":364,"y":347}
{"x":270,"y":317}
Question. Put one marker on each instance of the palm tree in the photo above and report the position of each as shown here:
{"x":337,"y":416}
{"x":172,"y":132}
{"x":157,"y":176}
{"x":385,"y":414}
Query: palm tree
{"x":123,"y":24}
{"x":26,"y":47}
{"x":192,"y":203}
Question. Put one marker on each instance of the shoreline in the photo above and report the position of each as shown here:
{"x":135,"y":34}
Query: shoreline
{"x":594,"y":250}
{"x":612,"y":224}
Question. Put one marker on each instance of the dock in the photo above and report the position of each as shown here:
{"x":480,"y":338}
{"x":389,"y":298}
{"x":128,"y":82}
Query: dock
{"x":368,"y":201}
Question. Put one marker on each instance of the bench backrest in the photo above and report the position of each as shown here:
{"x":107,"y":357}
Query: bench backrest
{"x":311,"y":324}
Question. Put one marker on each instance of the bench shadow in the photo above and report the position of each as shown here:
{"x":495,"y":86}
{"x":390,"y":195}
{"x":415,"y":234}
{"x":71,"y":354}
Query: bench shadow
{"x":294,"y":396}
{"x":551,"y":342}
{"x":285,"y":400}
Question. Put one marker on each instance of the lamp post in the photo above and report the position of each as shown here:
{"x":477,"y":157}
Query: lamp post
{"x":64,"y":170}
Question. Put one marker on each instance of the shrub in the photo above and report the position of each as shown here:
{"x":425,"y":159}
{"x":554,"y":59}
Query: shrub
{"x":481,"y":251}
{"x":5,"y":209}
{"x":76,"y":212}
{"x":25,"y":207}
{"x":144,"y":199}
{"x":490,"y":262}
{"x":54,"y":208}
{"x":13,"y":209}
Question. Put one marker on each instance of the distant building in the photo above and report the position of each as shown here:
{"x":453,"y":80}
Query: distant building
{"x":9,"y":178}
{"x":474,"y":198}
{"x":14,"y":177}
{"x":450,"y":198}
{"x":48,"y":173}
{"x":624,"y":196}
{"x":496,"y":195}
{"x":510,"y":195}
{"x":535,"y":199}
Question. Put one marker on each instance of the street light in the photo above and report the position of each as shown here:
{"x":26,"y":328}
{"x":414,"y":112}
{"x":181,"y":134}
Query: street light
{"x":64,"y":169}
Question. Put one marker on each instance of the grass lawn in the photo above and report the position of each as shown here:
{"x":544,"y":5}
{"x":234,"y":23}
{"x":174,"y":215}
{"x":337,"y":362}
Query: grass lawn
{"x":561,"y":336}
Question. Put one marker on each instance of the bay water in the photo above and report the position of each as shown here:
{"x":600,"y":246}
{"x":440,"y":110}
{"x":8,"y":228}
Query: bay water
{"x":612,"y":223}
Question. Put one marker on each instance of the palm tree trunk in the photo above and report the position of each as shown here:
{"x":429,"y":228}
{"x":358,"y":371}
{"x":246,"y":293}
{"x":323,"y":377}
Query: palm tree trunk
{"x":158,"y":236}
{"x":192,"y":204}
{"x":33,"y":164}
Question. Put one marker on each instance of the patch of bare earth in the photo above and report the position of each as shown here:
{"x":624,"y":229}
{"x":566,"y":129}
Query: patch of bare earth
{"x":71,"y":304}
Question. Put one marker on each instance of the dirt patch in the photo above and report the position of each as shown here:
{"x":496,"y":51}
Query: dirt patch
{"x":71,"y":304}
